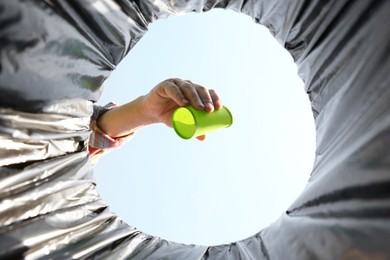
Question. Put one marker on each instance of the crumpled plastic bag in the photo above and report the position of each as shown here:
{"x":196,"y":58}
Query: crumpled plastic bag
{"x":56,"y":54}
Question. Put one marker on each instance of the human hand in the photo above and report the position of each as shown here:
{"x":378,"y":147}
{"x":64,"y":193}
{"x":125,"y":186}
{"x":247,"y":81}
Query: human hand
{"x":160,"y":103}
{"x":157,"y":107}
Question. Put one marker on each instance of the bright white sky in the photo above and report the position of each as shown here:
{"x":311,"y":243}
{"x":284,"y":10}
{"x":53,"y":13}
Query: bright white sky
{"x":241,"y":178}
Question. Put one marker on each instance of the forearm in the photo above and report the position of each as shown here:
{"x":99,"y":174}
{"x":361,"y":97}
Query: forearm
{"x":125,"y":119}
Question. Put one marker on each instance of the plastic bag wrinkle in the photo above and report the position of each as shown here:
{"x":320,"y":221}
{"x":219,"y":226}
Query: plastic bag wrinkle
{"x":54,"y":57}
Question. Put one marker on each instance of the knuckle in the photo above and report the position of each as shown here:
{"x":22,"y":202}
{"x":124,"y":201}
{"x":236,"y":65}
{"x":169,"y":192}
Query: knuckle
{"x":173,"y":80}
{"x":186,"y":85}
{"x":202,"y":88}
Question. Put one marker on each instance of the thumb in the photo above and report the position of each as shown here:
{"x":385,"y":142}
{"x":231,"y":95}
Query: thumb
{"x":201,"y":137}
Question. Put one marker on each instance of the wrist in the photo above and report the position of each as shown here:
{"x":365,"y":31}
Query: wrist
{"x":146,"y":110}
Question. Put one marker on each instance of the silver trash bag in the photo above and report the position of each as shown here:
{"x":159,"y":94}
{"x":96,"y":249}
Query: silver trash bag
{"x":56,"y":54}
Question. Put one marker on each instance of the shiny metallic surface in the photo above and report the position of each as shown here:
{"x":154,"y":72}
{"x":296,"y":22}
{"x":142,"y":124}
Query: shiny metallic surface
{"x":56,"y":54}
